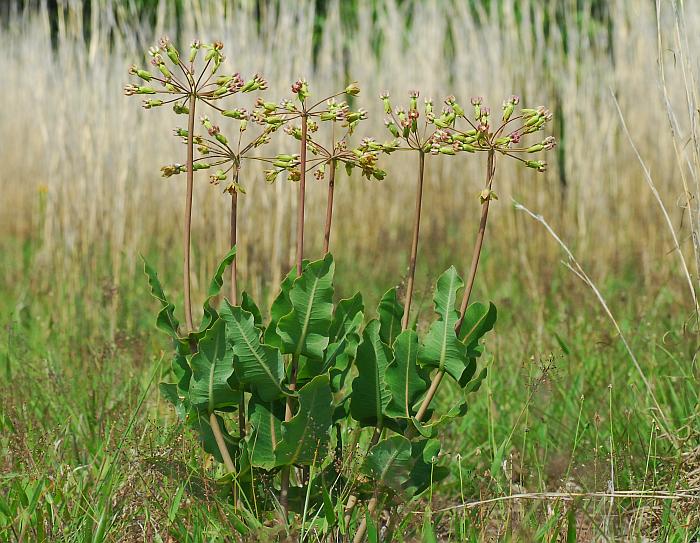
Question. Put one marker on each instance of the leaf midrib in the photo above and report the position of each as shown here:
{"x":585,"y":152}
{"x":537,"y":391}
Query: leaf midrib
{"x":256,"y":355}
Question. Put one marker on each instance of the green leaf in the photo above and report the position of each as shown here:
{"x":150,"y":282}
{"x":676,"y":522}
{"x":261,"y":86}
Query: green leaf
{"x":251,"y":307}
{"x":390,"y":312}
{"x":370,"y":393}
{"x":166,"y":321}
{"x":403,"y":376}
{"x":181,"y":366}
{"x":199,"y":421}
{"x":345,"y":337}
{"x":306,"y":436}
{"x":169,"y":391}
{"x":211,"y":368}
{"x":266,"y":423}
{"x":281,"y":306}
{"x":304,"y":330}
{"x":431,"y":429}
{"x":257,"y":365}
{"x":475,"y":384}
{"x":389,"y":462}
{"x":478,"y":319}
{"x":428,"y":534}
{"x":441,"y":348}
{"x":424,"y":472}
{"x":210,"y":314}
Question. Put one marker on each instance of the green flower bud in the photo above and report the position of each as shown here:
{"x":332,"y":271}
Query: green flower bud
{"x":201,"y":166}
{"x":445,"y":150}
{"x":244,"y":125}
{"x":180,"y":109}
{"x":353,"y":89}
{"x":164,"y":70}
{"x":502,"y":141}
{"x":535,"y":148}
{"x":221,"y":91}
{"x":148,"y":104}
{"x":275,"y":120}
{"x":181,"y":132}
{"x":508,"y":108}
{"x":468,"y":148}
{"x":233,"y":113}
{"x":145,"y":75}
{"x":173,"y":53}
{"x":378,"y":174}
{"x":194,"y":49}
{"x":539,"y":165}
{"x":221,"y":138}
{"x":328,"y":116}
{"x":145,"y":90}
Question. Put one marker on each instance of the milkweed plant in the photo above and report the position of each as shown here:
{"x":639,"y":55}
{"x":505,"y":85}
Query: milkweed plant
{"x":320,"y":412}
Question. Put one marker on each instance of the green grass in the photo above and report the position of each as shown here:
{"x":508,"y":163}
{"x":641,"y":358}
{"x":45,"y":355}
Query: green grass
{"x":90,"y":451}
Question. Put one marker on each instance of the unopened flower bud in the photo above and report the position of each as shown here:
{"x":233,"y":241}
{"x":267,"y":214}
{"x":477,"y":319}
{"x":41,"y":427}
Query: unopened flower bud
{"x":353,"y":89}
{"x":539,"y":165}
{"x":535,"y":148}
{"x":384,"y":97}
{"x":194,"y":49}
{"x":180,"y":109}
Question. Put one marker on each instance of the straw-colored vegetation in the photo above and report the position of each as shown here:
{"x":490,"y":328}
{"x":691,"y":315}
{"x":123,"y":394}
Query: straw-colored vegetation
{"x":599,"y":434}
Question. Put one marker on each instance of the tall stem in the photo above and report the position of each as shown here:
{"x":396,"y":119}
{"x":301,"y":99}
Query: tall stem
{"x":233,"y":294}
{"x":329,"y":209}
{"x":414,"y":243}
{"x":221,"y":444}
{"x":490,"y":171}
{"x":372,"y":504}
{"x":284,"y":483}
{"x":302,"y":194}
{"x":188,"y":212}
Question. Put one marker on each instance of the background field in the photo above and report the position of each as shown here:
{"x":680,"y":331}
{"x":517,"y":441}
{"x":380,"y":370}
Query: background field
{"x":88,"y":450}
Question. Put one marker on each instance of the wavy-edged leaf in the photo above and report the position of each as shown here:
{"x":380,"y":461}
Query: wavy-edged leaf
{"x":344,"y":337}
{"x":304,"y":330}
{"x":306,"y":436}
{"x":370,"y":393}
{"x":281,"y":306}
{"x":251,"y":307}
{"x":475,"y":383}
{"x":404,"y":377}
{"x":390,"y":313}
{"x":212,"y":367}
{"x":389,"y":462}
{"x":166,"y":320}
{"x":217,"y":281}
{"x":441,"y":348}
{"x":199,"y":421}
{"x":478,"y":320}
{"x":431,"y":429}
{"x":266,"y":431}
{"x":257,"y":365}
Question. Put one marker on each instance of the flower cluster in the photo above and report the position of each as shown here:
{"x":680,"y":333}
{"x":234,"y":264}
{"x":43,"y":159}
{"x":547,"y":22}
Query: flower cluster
{"x":482,"y":134}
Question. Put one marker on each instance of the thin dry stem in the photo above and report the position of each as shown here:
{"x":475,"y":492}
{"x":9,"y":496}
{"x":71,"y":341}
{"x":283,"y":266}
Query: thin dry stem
{"x":575,"y":267}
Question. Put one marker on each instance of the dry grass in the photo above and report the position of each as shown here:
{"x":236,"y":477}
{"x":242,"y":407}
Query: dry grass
{"x":67,"y":130}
